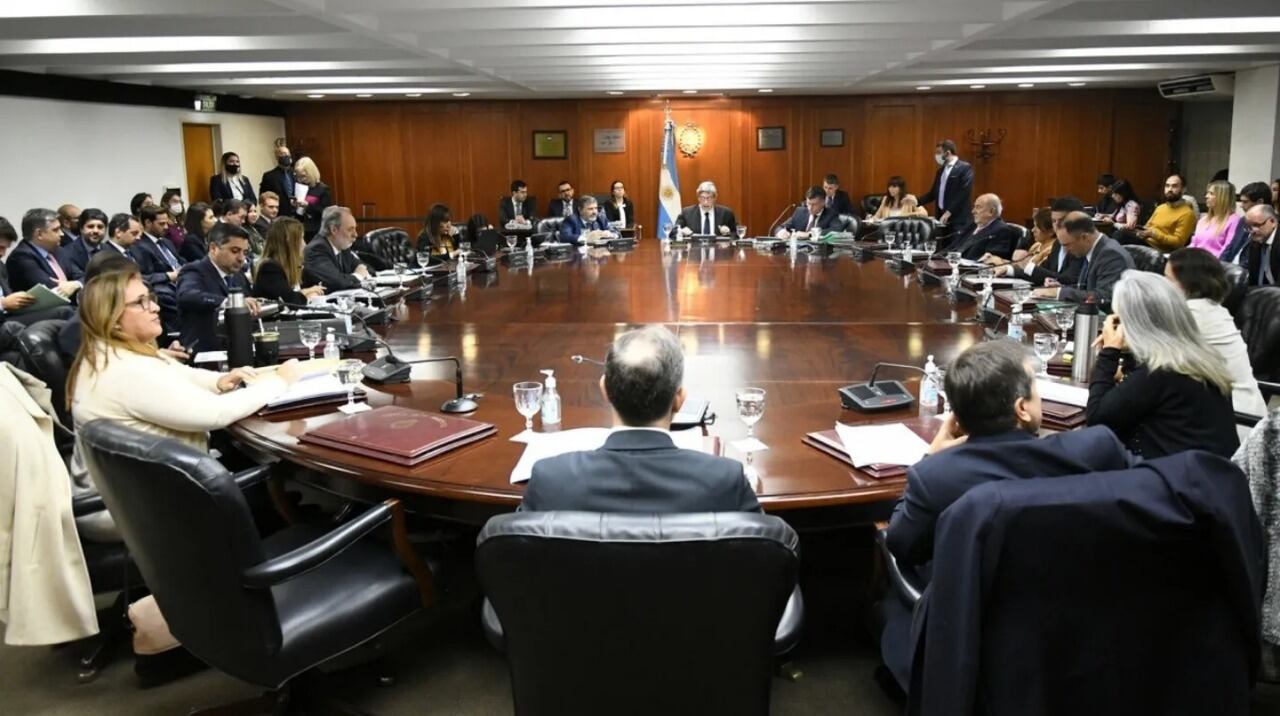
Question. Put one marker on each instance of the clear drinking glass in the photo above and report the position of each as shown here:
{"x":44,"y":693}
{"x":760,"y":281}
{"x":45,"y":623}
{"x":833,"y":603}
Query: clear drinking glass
{"x":1021,"y":294}
{"x":528,"y":401}
{"x":464,"y":250}
{"x":349,"y":372}
{"x":424,"y":258}
{"x":750,"y":407}
{"x":891,"y":238}
{"x":931,"y":247}
{"x":400,"y":268}
{"x":953,"y":258}
{"x":1066,"y":320}
{"x":941,"y":376}
{"x":1046,"y":347}
{"x":511,"y":243}
{"x":742,"y":231}
{"x":666,"y":230}
{"x":309,"y":336}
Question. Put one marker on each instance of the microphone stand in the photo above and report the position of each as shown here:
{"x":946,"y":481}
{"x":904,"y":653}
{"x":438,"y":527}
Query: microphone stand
{"x":583,"y":359}
{"x":871,"y":383}
{"x":778,"y":221}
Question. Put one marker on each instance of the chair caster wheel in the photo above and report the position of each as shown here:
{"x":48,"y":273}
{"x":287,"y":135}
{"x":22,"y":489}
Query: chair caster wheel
{"x":789,"y":671}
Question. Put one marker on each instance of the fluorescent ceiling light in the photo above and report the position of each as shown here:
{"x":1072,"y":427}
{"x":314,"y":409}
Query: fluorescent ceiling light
{"x":1076,"y":84}
{"x":315,"y":96}
{"x":415,"y":94}
{"x":614,"y":92}
{"x":764,"y":90}
{"x":353,"y":91}
{"x":690,"y":91}
{"x":1026,"y":85}
{"x":977,"y":86}
{"x":924,"y":88}
{"x":364,"y":94}
{"x":461,"y":94}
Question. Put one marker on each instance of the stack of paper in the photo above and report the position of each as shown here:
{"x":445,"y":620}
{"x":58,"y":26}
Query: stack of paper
{"x":892,"y":444}
{"x":544,"y":445}
{"x":1060,"y":392}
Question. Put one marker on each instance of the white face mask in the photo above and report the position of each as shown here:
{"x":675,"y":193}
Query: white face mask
{"x":175,"y":207}
{"x":940,"y":158}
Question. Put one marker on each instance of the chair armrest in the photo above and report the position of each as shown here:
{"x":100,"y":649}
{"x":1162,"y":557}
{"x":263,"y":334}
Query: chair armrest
{"x":315,"y":553}
{"x":87,"y":505}
{"x":254,"y":475}
{"x":1246,"y":420}
{"x":1268,"y":389}
{"x":899,"y":580}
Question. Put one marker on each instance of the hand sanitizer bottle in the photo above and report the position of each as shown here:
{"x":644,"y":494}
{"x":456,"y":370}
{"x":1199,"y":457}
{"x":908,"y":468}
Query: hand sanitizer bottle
{"x":331,"y":349}
{"x":929,"y":386}
{"x":550,"y":400}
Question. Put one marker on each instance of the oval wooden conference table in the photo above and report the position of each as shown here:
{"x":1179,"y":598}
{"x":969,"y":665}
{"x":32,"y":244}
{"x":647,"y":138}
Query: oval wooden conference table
{"x":798,"y":328}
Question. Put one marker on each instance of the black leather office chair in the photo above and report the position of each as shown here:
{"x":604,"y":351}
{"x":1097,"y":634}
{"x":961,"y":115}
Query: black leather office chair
{"x":871,"y":204}
{"x":1024,"y":237}
{"x":1260,"y":327}
{"x":640,"y":614}
{"x":1146,"y":258}
{"x":390,"y":246}
{"x":262,"y":610}
{"x":1238,"y":280}
{"x":547,"y":229}
{"x":918,"y":230}
{"x":38,"y":346}
{"x":847,"y":222}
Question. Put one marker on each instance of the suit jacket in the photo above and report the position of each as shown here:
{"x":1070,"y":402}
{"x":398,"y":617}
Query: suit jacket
{"x":220,"y":190}
{"x":556,"y":207}
{"x":333,"y":271}
{"x":958,"y":195}
{"x":611,"y":211}
{"x":639,"y":471}
{"x":799,"y":221}
{"x":1068,"y":275}
{"x":1231,"y":253}
{"x":155,"y":269}
{"x":46,"y":597}
{"x":127,"y":253}
{"x":691,"y":217}
{"x":318,"y":199}
{"x":572,"y":228}
{"x":67,"y":238}
{"x":279,"y":181}
{"x":27,"y":267}
{"x":271,"y":283}
{"x":193,"y":249}
{"x":997,"y":238}
{"x":1100,"y":273}
{"x":507,"y":210}
{"x":1252,"y":262}
{"x":842,"y":204}
{"x":75,"y":257}
{"x":201,"y":292}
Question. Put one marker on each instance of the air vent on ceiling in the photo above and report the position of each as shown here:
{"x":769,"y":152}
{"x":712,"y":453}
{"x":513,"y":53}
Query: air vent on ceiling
{"x":1198,"y":88}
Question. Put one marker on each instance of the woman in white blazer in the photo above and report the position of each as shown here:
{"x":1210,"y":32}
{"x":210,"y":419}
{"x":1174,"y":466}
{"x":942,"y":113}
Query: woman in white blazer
{"x":1199,"y":275}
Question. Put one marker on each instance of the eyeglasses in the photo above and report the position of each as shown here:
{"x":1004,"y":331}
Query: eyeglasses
{"x":145,"y":303}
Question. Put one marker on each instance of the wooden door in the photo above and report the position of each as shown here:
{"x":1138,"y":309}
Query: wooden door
{"x":197,"y":145}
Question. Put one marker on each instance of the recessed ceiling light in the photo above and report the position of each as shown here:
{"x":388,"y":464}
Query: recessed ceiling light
{"x":977,"y":86}
{"x":315,"y":96}
{"x":764,"y":90}
{"x":924,"y":88}
{"x":461,"y":94}
{"x":1075,"y":84}
{"x":615,"y":93}
{"x":415,"y":94}
{"x":1025,"y":85}
{"x":365,"y":96}
{"x":690,"y":91}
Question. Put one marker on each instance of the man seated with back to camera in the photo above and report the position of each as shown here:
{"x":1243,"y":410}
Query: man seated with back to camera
{"x":990,"y":435}
{"x":639,"y":468}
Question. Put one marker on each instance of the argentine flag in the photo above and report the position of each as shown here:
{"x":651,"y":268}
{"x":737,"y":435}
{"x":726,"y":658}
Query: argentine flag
{"x":668,"y":181}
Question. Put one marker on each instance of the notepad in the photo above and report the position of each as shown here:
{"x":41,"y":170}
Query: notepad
{"x":1060,"y":392}
{"x":892,"y":444}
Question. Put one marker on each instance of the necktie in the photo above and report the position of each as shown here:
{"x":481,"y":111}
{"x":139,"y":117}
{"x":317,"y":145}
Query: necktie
{"x":706,"y":223}
{"x":57,"y":270}
{"x":567,"y":207}
{"x":518,"y":211}
{"x":168,"y":257}
{"x":1084,"y":274}
{"x":288,"y":182}
{"x":942,"y":187}
{"x":812,"y":220}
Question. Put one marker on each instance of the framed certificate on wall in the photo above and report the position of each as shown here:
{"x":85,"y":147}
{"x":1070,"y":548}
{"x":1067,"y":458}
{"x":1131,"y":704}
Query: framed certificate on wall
{"x":771,"y":138}
{"x":610,"y":141}
{"x":550,"y":144}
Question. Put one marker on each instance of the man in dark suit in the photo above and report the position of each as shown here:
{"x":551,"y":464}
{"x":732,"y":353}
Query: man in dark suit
{"x":156,"y":255}
{"x":12,"y":304}
{"x":519,"y":207}
{"x":69,"y":217}
{"x":706,"y":217}
{"x":952,"y":187}
{"x":35,"y":259}
{"x":1262,"y":260}
{"x":279,"y":179}
{"x":815,"y":216}
{"x":75,"y":256}
{"x":1103,"y":259}
{"x":586,"y":223}
{"x":988,"y":235}
{"x":1060,"y":266}
{"x":639,"y":468}
{"x":990,"y":435}
{"x":562,"y":205}
{"x":1251,"y":195}
{"x":203,"y":287}
{"x":837,"y":198}
{"x":328,"y":259}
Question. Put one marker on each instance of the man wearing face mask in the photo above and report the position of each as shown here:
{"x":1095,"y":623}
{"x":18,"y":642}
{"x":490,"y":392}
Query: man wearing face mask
{"x":231,"y":184}
{"x":952,"y":190}
{"x":279,"y":180}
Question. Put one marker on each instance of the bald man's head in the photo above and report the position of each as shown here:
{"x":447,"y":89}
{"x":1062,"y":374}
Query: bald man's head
{"x":643,"y":375}
{"x":987,"y":208}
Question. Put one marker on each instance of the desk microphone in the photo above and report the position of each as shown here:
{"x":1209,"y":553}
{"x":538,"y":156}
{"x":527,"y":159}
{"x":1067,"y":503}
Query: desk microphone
{"x":993,"y":333}
{"x":778,"y":221}
{"x":584,"y":359}
{"x":885,"y":395}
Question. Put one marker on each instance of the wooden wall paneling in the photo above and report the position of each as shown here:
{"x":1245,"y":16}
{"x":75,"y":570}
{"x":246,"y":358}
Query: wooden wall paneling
{"x":771,"y":179}
{"x":597,"y":171}
{"x":313,"y":131}
{"x":437,"y":163}
{"x":543,"y":175}
{"x":1016,"y":169}
{"x":374,"y":166}
{"x":1140,"y":128}
{"x":719,"y":160}
{"x":891,"y":146}
{"x":836,"y":160}
{"x":491,"y":159}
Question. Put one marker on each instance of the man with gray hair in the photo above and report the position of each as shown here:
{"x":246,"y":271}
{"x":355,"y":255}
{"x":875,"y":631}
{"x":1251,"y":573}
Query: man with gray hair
{"x":706,"y":217}
{"x":988,"y":238}
{"x":639,"y":468}
{"x":34,"y":261}
{"x":1261,"y":260}
{"x":329,"y":259}
{"x":1104,"y":261}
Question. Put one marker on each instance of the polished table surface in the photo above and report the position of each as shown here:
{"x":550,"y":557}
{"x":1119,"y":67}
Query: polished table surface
{"x":798,"y":327}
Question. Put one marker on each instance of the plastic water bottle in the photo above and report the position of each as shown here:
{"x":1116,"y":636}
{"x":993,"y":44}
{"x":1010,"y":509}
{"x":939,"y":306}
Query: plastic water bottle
{"x":1016,"y":332}
{"x":462,"y":272}
{"x":929,"y":386}
{"x":528,"y":250}
{"x":331,"y":349}
{"x":550,"y":400}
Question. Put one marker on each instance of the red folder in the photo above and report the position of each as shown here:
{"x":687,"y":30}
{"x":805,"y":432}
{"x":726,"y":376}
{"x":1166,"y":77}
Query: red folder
{"x":400,"y":435}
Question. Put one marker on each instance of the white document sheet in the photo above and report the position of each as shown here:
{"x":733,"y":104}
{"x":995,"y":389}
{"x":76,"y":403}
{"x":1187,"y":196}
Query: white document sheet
{"x":892,"y":444}
{"x":1059,"y":392}
{"x":544,"y":445}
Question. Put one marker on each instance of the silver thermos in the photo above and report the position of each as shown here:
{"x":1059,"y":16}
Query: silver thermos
{"x":1088,"y":322}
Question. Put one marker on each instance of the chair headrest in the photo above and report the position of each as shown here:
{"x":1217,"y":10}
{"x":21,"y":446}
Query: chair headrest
{"x":550,"y":224}
{"x":641,"y":529}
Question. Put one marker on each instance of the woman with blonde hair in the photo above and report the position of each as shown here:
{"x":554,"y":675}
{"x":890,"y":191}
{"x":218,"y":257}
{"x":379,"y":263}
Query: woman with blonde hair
{"x":1156,"y":383}
{"x":1218,"y":225}
{"x":278,"y":275}
{"x":119,"y":374}
{"x":317,"y":199}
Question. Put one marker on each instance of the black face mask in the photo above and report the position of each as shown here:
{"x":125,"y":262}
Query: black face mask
{"x":286,"y":161}
{"x":233,"y":169}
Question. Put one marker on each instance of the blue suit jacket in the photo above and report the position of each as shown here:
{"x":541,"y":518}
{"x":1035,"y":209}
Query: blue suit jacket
{"x":800,"y":220}
{"x":572,"y":228}
{"x":151,"y":262}
{"x":1238,"y":243}
{"x":27,"y":267}
{"x":201,"y":292}
{"x":75,"y":257}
